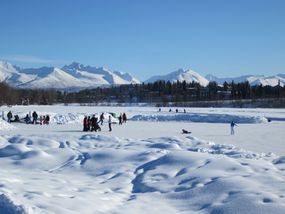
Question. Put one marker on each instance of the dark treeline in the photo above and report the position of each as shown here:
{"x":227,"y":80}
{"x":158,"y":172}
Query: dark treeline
{"x":159,"y":92}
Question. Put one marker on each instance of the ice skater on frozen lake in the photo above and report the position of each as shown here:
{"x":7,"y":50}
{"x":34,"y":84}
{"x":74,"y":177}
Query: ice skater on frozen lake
{"x":110,"y":123}
{"x":233,"y":124}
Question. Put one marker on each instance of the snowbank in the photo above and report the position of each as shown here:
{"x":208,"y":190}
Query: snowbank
{"x":72,"y":118}
{"x":202,"y":118}
{"x":5,"y":126}
{"x":66,"y":174}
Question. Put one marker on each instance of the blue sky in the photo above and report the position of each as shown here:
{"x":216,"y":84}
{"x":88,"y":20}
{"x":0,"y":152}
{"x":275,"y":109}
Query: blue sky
{"x":147,"y":37}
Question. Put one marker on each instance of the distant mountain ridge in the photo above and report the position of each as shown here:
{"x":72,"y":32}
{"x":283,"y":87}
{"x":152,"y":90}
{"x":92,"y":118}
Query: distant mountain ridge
{"x":252,"y":79}
{"x":189,"y":75}
{"x":75,"y":75}
{"x":79,"y":76}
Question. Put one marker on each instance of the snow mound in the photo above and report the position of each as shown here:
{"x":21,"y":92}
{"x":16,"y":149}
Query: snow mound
{"x":202,"y":118}
{"x":7,"y":206}
{"x":69,"y":118}
{"x":66,"y":174}
{"x":73,"y":118}
{"x":5,"y":126}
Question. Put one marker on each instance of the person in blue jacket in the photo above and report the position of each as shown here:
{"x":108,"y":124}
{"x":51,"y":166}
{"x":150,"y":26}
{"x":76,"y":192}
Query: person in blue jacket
{"x":233,"y":124}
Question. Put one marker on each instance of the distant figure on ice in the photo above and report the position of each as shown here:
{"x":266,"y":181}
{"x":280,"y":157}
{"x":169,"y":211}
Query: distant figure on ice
{"x":16,"y":119}
{"x":41,"y":120}
{"x":185,"y":131}
{"x":110,"y":123}
{"x":35,"y":117}
{"x":159,"y":109}
{"x":47,"y":119}
{"x":233,"y":124}
{"x":120,"y":119}
{"x":184,"y":110}
{"x":176,"y":110}
{"x":101,"y":119}
{"x":85,"y":124}
{"x":88,"y":123}
{"x":94,"y":124}
{"x":27,"y":119}
{"x":9,"y":116}
{"x":170,"y":110}
{"x":124,"y":118}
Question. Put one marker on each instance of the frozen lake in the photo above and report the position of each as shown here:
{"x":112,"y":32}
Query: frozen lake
{"x":146,"y":165}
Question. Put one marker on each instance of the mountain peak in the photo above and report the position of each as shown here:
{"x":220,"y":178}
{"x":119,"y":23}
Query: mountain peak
{"x":73,"y":66}
{"x":181,"y":75}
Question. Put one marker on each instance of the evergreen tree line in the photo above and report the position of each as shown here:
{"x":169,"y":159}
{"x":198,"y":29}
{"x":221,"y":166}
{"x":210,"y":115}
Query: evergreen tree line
{"x":159,"y":92}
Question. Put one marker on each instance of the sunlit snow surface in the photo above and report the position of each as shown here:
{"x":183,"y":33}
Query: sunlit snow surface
{"x":145,"y":165}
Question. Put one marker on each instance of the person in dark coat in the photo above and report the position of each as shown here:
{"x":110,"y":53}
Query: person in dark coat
{"x":101,"y":119}
{"x":27,"y":119}
{"x":47,"y":119}
{"x":110,"y":123}
{"x":85,"y":124}
{"x":124,"y":118}
{"x":120,"y":119}
{"x":88,"y":123}
{"x":9,"y":116}
{"x":94,"y":121}
{"x":35,"y":117}
{"x":16,"y":118}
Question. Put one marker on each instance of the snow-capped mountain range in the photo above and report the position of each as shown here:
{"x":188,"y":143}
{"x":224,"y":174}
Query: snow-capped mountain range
{"x":190,"y":75}
{"x":79,"y":76}
{"x":74,"y":75}
{"x":252,"y":79}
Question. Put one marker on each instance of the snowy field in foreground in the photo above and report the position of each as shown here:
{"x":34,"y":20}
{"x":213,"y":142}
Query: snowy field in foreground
{"x":146,"y":165}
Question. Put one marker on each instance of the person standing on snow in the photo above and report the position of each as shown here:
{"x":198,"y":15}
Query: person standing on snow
{"x":110,"y":123}
{"x":9,"y":116}
{"x":35,"y":117}
{"x":120,"y":119}
{"x":85,"y":124}
{"x":124,"y":118}
{"x":233,"y":124}
{"x":101,"y":118}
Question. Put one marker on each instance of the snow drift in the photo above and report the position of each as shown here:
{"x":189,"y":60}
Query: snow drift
{"x":199,"y":117}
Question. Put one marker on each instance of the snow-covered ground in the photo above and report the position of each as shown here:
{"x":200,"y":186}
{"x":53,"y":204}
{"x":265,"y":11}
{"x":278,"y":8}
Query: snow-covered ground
{"x":146,"y":165}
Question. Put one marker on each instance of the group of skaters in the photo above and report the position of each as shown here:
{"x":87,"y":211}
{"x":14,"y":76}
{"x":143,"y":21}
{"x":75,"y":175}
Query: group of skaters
{"x":93,"y":123}
{"x":29,"y":119}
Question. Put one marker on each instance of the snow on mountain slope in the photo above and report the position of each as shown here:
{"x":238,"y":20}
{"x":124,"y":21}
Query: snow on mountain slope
{"x":11,"y":75}
{"x":98,"y":75}
{"x":55,"y":79}
{"x":252,"y":79}
{"x":127,"y":76}
{"x":74,"y":75}
{"x":181,"y":75}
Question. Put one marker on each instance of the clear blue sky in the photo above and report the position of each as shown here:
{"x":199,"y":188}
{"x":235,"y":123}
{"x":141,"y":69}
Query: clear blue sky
{"x":147,"y":37}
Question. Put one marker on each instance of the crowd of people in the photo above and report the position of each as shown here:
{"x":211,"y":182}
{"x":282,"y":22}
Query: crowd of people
{"x":94,"y":123}
{"x":89,"y":123}
{"x":29,"y":119}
